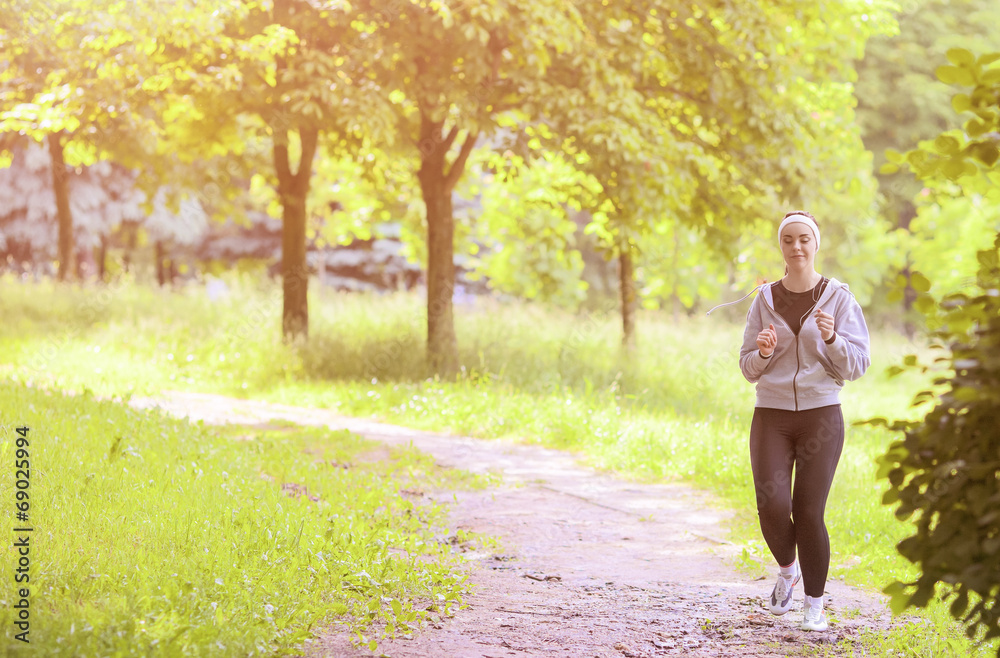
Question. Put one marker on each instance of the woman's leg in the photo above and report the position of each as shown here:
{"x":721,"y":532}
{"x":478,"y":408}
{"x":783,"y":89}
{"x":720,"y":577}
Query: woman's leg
{"x":818,"y":445}
{"x":772,"y":453}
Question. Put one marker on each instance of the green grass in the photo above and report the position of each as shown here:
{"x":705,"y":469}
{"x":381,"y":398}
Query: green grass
{"x":153,"y":536}
{"x":677,"y":409}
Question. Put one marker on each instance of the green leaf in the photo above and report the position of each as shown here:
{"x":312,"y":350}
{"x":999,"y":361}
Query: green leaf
{"x":946,"y":145}
{"x":960,"y":57}
{"x":954,"y":169}
{"x":925,"y":304}
{"x":988,"y":258}
{"x":899,"y":599}
{"x":953,"y":75}
{"x":961,"y":103}
{"x":976,"y":127}
{"x":888,"y":168}
{"x":922,"y":596}
{"x":920,"y":282}
{"x":987,"y":153}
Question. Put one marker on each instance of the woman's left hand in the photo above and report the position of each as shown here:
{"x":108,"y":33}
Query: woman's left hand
{"x":825,"y":323}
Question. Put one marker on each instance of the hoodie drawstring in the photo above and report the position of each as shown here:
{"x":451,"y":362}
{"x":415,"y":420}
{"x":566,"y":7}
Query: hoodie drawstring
{"x":738,"y":300}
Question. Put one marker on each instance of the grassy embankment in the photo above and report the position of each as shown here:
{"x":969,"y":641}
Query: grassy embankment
{"x":153,"y":536}
{"x":678,"y":410}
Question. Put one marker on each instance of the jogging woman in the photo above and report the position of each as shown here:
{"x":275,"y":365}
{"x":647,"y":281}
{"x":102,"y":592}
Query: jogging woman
{"x":805,"y":336}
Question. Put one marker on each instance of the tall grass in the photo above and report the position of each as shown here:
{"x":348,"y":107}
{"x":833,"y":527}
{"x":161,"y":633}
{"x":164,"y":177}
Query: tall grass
{"x":677,"y":408}
{"x":153,"y":536}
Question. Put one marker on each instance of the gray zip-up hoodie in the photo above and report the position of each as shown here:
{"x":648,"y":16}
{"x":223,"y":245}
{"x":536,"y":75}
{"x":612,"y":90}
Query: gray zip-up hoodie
{"x":804,"y":372}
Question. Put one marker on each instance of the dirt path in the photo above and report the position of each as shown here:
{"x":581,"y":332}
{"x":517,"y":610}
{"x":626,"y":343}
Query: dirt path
{"x":590,"y":565}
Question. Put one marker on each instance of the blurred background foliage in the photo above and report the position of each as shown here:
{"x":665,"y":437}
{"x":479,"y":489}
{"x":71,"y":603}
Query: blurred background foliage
{"x":640,"y":156}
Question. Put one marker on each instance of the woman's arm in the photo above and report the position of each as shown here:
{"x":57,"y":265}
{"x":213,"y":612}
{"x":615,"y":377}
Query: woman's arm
{"x":850,"y":351}
{"x":752,"y":364}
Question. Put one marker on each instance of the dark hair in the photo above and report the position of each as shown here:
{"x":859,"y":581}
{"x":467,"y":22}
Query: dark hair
{"x":799,"y":212}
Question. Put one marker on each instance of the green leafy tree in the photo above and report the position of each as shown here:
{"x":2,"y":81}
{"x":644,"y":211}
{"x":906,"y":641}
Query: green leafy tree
{"x":720,"y":117}
{"x":457,"y":72}
{"x":103,"y":197}
{"x":70,"y":81}
{"x":523,"y":238}
{"x":74,"y":80}
{"x":37,"y":98}
{"x":297,"y":71}
{"x":945,"y":234}
{"x":681,"y":114}
{"x":184,"y":93}
{"x":892,"y":121}
{"x":944,"y":473}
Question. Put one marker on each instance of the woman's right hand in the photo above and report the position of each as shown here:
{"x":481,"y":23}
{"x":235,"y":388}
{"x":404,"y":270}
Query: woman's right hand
{"x":766,"y":341}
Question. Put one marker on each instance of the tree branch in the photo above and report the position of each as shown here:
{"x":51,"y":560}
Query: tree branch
{"x":429,"y":131}
{"x":458,"y":166}
{"x":651,"y":90}
{"x":309,"y":137}
{"x":281,"y":158}
{"x":450,"y":139}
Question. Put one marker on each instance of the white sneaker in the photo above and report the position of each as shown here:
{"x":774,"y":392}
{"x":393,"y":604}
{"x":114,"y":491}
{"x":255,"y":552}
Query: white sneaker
{"x":814,"y":619}
{"x":781,"y":596}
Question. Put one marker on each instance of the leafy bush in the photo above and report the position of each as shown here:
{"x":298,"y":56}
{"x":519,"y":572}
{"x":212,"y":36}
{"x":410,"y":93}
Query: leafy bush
{"x":945,"y":471}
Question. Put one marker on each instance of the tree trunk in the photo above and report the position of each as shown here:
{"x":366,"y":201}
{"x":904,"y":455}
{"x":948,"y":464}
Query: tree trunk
{"x":60,"y":185}
{"x":437,"y":180}
{"x":442,"y":344}
{"x":294,"y":272}
{"x":161,"y":276}
{"x":80,"y":263}
{"x":131,"y":241}
{"x":102,"y":258}
{"x":626,"y":275}
{"x":293,"y":188}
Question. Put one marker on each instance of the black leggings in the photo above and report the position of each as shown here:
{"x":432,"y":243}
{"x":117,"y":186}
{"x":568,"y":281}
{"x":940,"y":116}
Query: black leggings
{"x":792,"y":516}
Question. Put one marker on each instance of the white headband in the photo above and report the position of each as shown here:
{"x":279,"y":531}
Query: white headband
{"x":805,"y":219}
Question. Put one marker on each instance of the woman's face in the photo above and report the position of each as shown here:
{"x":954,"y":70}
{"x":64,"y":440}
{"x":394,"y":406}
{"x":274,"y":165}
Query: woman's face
{"x":798,"y":246}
